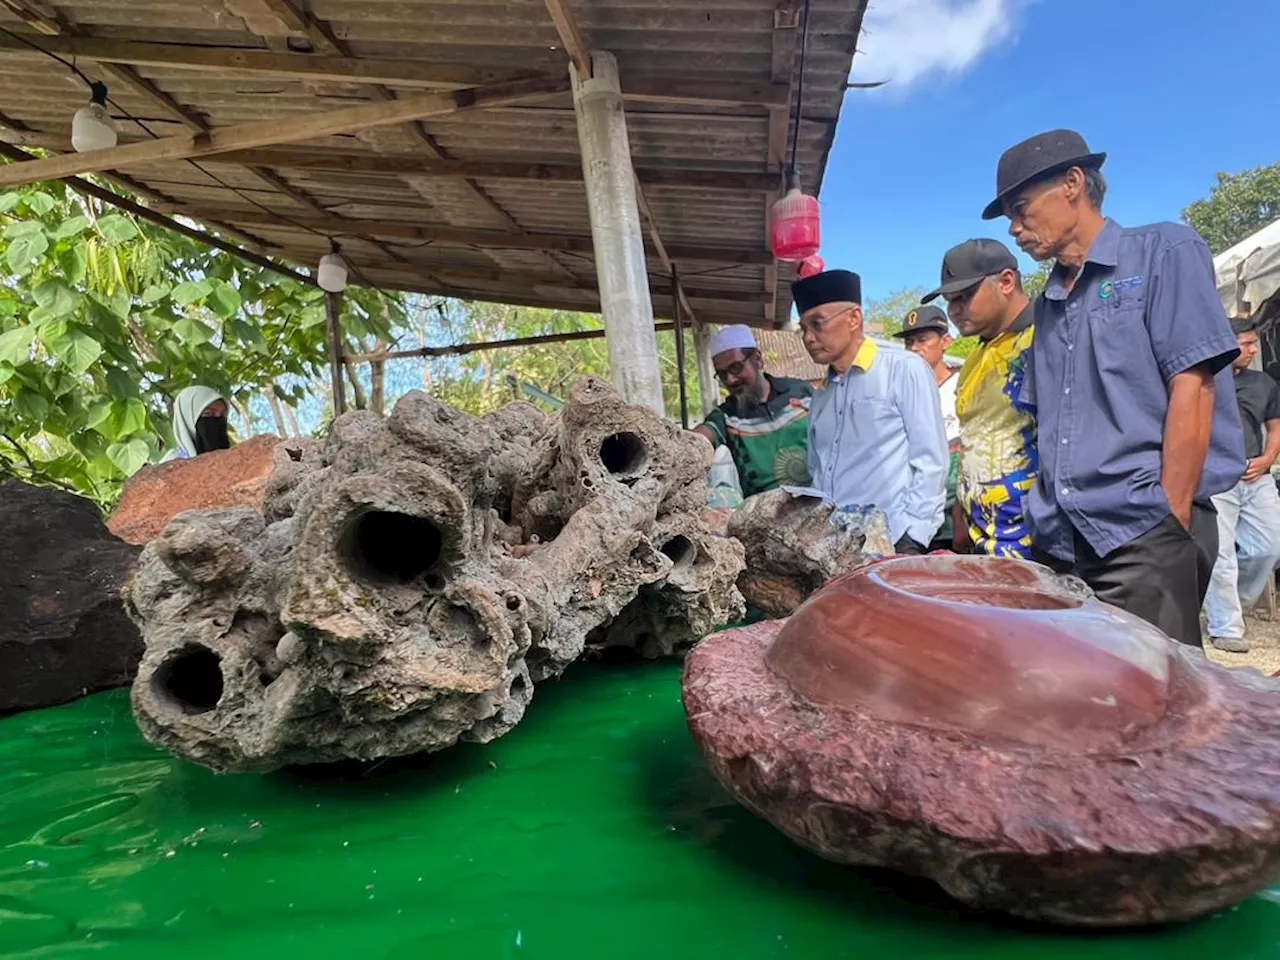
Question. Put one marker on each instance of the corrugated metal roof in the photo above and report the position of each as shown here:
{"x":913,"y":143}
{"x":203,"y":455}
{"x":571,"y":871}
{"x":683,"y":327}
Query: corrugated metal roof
{"x":718,"y":234}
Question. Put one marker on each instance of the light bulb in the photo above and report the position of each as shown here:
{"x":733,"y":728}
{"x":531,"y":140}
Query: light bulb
{"x":332,"y":275}
{"x":92,"y":127}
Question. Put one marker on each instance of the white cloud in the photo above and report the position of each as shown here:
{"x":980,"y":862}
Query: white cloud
{"x":905,"y":40}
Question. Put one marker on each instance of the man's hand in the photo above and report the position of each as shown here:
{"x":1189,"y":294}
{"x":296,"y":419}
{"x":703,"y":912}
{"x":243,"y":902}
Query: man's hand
{"x":1257,"y":467}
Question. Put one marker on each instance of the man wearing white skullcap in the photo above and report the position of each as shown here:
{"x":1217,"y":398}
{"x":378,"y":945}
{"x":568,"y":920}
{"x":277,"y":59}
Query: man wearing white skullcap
{"x":765,"y":420}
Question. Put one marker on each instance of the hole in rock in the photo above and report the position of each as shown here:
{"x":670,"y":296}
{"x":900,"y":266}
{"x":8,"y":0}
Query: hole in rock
{"x":681,"y":551}
{"x":623,"y":453}
{"x":190,"y":680}
{"x":387,"y":546}
{"x":435,"y":581}
{"x":518,"y":686}
{"x":513,"y":601}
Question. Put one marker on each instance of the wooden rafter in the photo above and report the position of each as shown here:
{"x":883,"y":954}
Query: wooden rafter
{"x":637,"y":87}
{"x":467,"y":236}
{"x":264,"y":133}
{"x":580,"y":57}
{"x":574,"y":43}
{"x":145,"y":213}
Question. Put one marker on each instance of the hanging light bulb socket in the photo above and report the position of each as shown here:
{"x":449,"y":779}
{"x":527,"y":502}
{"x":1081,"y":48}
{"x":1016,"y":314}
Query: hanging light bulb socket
{"x":92,"y":127}
{"x":332,"y":274}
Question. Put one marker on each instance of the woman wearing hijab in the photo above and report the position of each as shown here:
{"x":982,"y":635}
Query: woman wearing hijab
{"x":199,"y":423}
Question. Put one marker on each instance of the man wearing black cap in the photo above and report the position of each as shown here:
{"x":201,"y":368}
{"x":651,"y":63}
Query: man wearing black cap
{"x":926,"y":333}
{"x":876,"y":437}
{"x":1131,"y":376}
{"x":998,"y":460}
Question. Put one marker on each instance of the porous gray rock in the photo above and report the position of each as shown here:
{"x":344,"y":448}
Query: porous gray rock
{"x":409,"y":581}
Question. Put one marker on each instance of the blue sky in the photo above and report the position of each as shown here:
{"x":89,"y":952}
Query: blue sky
{"x":1172,"y":90}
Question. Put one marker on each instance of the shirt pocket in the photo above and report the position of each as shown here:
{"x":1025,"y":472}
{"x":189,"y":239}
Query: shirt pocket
{"x":1119,"y":337}
{"x":874,"y":417}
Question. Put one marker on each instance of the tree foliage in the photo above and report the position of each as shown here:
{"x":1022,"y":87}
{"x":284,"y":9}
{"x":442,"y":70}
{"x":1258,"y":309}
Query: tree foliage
{"x":1239,"y":205}
{"x":104,"y":318}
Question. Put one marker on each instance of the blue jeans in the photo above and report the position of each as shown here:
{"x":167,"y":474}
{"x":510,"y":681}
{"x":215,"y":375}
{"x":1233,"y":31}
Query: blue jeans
{"x":1248,"y":551}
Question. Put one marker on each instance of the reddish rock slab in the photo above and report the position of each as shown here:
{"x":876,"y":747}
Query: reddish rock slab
{"x":892,"y":722}
{"x":224,"y":478}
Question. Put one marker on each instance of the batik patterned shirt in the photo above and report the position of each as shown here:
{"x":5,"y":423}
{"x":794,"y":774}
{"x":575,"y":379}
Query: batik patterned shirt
{"x":998,"y":453}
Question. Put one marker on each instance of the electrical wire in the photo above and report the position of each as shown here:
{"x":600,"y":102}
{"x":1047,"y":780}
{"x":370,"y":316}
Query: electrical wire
{"x":70,"y":65}
{"x":804,"y":54}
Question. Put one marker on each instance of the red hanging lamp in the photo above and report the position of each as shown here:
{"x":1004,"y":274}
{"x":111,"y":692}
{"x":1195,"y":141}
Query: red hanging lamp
{"x":795,"y":222}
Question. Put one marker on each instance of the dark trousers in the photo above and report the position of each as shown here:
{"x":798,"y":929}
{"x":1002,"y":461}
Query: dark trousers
{"x":1161,"y":576}
{"x":908,"y":547}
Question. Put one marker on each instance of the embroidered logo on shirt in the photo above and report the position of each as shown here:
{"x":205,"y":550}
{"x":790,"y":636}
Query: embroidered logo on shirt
{"x":1112,"y":287}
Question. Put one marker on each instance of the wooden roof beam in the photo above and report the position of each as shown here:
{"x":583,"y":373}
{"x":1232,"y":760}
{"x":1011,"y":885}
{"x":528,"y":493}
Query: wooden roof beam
{"x":570,"y":36}
{"x":407,"y":230}
{"x":409,"y":164}
{"x":264,"y":133}
{"x":637,"y":87}
{"x":146,"y":213}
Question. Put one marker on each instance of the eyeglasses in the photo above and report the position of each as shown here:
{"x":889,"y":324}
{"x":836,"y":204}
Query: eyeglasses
{"x":735,"y":370}
{"x":816,"y":325}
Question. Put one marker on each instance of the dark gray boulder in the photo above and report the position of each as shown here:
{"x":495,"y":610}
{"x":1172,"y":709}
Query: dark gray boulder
{"x":65,"y":631}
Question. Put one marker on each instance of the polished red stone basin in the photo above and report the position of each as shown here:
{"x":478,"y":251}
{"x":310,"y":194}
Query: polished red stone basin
{"x":996,"y":648}
{"x":1001,"y":731}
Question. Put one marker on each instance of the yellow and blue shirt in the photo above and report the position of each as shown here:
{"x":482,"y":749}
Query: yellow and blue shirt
{"x":999,"y":457}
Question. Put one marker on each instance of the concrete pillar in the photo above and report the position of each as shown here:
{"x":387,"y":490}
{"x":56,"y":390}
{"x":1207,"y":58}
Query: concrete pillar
{"x":707,"y":381}
{"x":617,"y":234}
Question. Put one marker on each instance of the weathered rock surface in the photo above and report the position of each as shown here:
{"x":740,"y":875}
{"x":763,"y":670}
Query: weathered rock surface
{"x":65,"y":632}
{"x":410,"y":580}
{"x":1028,"y":748}
{"x":224,"y":478}
{"x":796,"y":544}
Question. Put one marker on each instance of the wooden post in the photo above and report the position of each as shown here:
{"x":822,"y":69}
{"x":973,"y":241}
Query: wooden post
{"x":706,"y":370}
{"x":333,"y":310}
{"x":679,"y":311}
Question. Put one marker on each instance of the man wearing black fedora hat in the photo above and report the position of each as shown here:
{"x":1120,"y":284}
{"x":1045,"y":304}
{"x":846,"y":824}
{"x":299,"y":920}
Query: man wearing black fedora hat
{"x":1131,"y":380}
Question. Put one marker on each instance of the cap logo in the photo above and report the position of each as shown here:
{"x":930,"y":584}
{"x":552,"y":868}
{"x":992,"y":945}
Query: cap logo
{"x":911,"y":319}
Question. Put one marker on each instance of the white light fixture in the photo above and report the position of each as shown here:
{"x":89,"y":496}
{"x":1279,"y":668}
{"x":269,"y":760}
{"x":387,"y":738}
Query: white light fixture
{"x":332,"y":275}
{"x":91,"y":127}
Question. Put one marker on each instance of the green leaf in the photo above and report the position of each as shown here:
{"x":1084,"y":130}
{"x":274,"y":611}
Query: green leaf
{"x":56,"y":297}
{"x":76,"y":349}
{"x":117,"y":227}
{"x":185,"y":294}
{"x":118,"y":302}
{"x":129,"y":417}
{"x":31,"y":405}
{"x":6,"y":371}
{"x":224,"y":299}
{"x":129,"y":456}
{"x":71,"y":227}
{"x":23,"y":228}
{"x":248,"y":334}
{"x":99,"y":413}
{"x":15,"y":345}
{"x":24,"y":249}
{"x":192,"y":332}
{"x":120,"y":384}
{"x":8,"y":308}
{"x":154,"y":293}
{"x":51,"y":329}
{"x":40,"y":203}
{"x":9,"y":200}
{"x":73,"y":262}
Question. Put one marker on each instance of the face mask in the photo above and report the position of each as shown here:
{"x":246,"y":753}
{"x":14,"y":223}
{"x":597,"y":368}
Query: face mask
{"x":211,"y":434}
